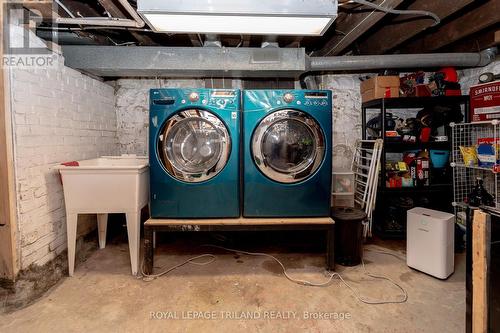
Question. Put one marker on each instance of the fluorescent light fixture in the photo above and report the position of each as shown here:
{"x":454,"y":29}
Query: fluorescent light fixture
{"x":245,"y":17}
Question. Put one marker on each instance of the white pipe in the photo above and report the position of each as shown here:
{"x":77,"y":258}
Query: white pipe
{"x":137,"y":22}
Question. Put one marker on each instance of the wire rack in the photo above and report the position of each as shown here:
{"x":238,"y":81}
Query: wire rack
{"x":464,"y":176}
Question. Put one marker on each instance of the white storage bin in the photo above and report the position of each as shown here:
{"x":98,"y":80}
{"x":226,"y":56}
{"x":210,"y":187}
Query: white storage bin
{"x":110,"y":184}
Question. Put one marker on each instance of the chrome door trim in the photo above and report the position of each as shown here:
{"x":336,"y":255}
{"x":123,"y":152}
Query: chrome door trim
{"x":303,"y":170}
{"x":165,"y":151}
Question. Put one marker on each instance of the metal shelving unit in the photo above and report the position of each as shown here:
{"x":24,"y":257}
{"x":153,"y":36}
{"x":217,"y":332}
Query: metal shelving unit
{"x":438,"y":195}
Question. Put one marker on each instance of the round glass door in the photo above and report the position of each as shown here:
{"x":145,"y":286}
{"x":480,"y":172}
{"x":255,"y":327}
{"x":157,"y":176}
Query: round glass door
{"x":288,"y":146}
{"x":194,"y":145}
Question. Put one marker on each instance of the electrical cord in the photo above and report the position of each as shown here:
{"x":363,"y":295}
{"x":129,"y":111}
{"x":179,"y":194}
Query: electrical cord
{"x":150,"y":277}
{"x":399,"y":12}
{"x":332,"y":275}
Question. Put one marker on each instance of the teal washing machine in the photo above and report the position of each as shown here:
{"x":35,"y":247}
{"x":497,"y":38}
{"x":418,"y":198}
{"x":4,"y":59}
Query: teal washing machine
{"x":194,"y":140}
{"x":287,"y":153}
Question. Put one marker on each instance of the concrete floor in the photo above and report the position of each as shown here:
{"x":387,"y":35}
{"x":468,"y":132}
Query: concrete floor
{"x":103,"y":297}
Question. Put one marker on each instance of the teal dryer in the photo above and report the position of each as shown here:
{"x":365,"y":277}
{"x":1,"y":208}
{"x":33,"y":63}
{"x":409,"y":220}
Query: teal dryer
{"x":287,"y":153}
{"x":194,"y":153}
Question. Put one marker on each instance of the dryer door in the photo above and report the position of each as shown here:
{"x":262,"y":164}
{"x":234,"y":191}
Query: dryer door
{"x":194,"y":145}
{"x":288,"y":146}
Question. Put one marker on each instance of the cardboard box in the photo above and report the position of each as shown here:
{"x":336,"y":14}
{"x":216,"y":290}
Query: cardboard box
{"x":485,"y":101}
{"x":380,"y":87}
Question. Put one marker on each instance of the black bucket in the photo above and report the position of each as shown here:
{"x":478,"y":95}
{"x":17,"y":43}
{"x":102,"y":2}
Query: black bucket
{"x":348,"y":235}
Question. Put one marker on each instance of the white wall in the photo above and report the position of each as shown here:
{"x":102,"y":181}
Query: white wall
{"x":469,"y":77}
{"x":58,"y":115}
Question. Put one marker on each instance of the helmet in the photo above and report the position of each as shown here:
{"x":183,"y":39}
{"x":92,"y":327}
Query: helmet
{"x":449,"y":73}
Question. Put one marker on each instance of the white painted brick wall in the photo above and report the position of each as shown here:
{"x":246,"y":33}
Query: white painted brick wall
{"x":58,"y":115}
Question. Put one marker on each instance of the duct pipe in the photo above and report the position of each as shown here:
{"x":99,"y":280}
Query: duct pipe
{"x":66,"y":37}
{"x":402,"y":61}
{"x":136,"y":22}
{"x":309,"y":82}
{"x":270,"y":41}
{"x":212,"y":40}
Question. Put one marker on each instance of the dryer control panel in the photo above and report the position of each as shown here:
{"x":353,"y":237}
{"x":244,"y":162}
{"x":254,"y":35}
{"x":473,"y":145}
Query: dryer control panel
{"x":309,"y":98}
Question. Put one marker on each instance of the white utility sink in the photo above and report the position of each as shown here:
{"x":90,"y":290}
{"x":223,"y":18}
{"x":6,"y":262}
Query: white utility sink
{"x":109,"y":184}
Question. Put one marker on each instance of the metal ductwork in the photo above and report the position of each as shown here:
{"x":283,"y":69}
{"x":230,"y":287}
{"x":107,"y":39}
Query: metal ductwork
{"x":199,"y":62}
{"x":270,"y":41}
{"x":212,"y":41}
{"x":309,"y":82}
{"x":120,"y":61}
{"x":66,"y":37}
{"x":345,"y":63}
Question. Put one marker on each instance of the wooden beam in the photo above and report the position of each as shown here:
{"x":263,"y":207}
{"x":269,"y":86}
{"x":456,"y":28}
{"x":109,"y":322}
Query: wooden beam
{"x":402,"y":28}
{"x":474,"y":21}
{"x":353,"y":25}
{"x":479,"y":41}
{"x":480,"y":255}
{"x":43,"y":8}
{"x":8,"y":262}
{"x":195,"y":40}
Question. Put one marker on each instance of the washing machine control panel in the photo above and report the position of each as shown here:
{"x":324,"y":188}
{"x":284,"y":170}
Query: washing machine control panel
{"x":308,"y":98}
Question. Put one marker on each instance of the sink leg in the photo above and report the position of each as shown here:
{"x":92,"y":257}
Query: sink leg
{"x":71,"y":224}
{"x":134,"y":236}
{"x":102,"y":226}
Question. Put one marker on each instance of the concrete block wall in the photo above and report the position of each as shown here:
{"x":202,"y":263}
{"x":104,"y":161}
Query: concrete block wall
{"x":58,"y":115}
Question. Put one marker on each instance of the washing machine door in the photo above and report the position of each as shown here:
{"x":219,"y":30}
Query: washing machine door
{"x":288,"y":146}
{"x":194,"y":145}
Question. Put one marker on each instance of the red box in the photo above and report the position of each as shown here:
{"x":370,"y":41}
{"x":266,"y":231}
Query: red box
{"x":485,"y":101}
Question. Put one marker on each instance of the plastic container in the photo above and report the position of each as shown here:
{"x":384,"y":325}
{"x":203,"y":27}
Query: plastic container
{"x":343,"y":182}
{"x":439,"y":158}
{"x":110,"y":184}
{"x":343,"y":200}
{"x":348,"y":235}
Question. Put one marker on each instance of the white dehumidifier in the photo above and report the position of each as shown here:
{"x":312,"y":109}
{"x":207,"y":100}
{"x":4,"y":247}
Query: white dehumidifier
{"x":430,"y":242}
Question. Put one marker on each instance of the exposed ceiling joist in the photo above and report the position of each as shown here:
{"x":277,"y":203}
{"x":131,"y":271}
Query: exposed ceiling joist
{"x":474,"y":21}
{"x":45,"y":9}
{"x":351,"y":26}
{"x":401,"y":29}
{"x":479,"y":41}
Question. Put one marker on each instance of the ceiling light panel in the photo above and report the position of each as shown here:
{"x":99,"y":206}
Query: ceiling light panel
{"x":268,"y":17}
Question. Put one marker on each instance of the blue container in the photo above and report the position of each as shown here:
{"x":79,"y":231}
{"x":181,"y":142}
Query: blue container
{"x":439,"y":158}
